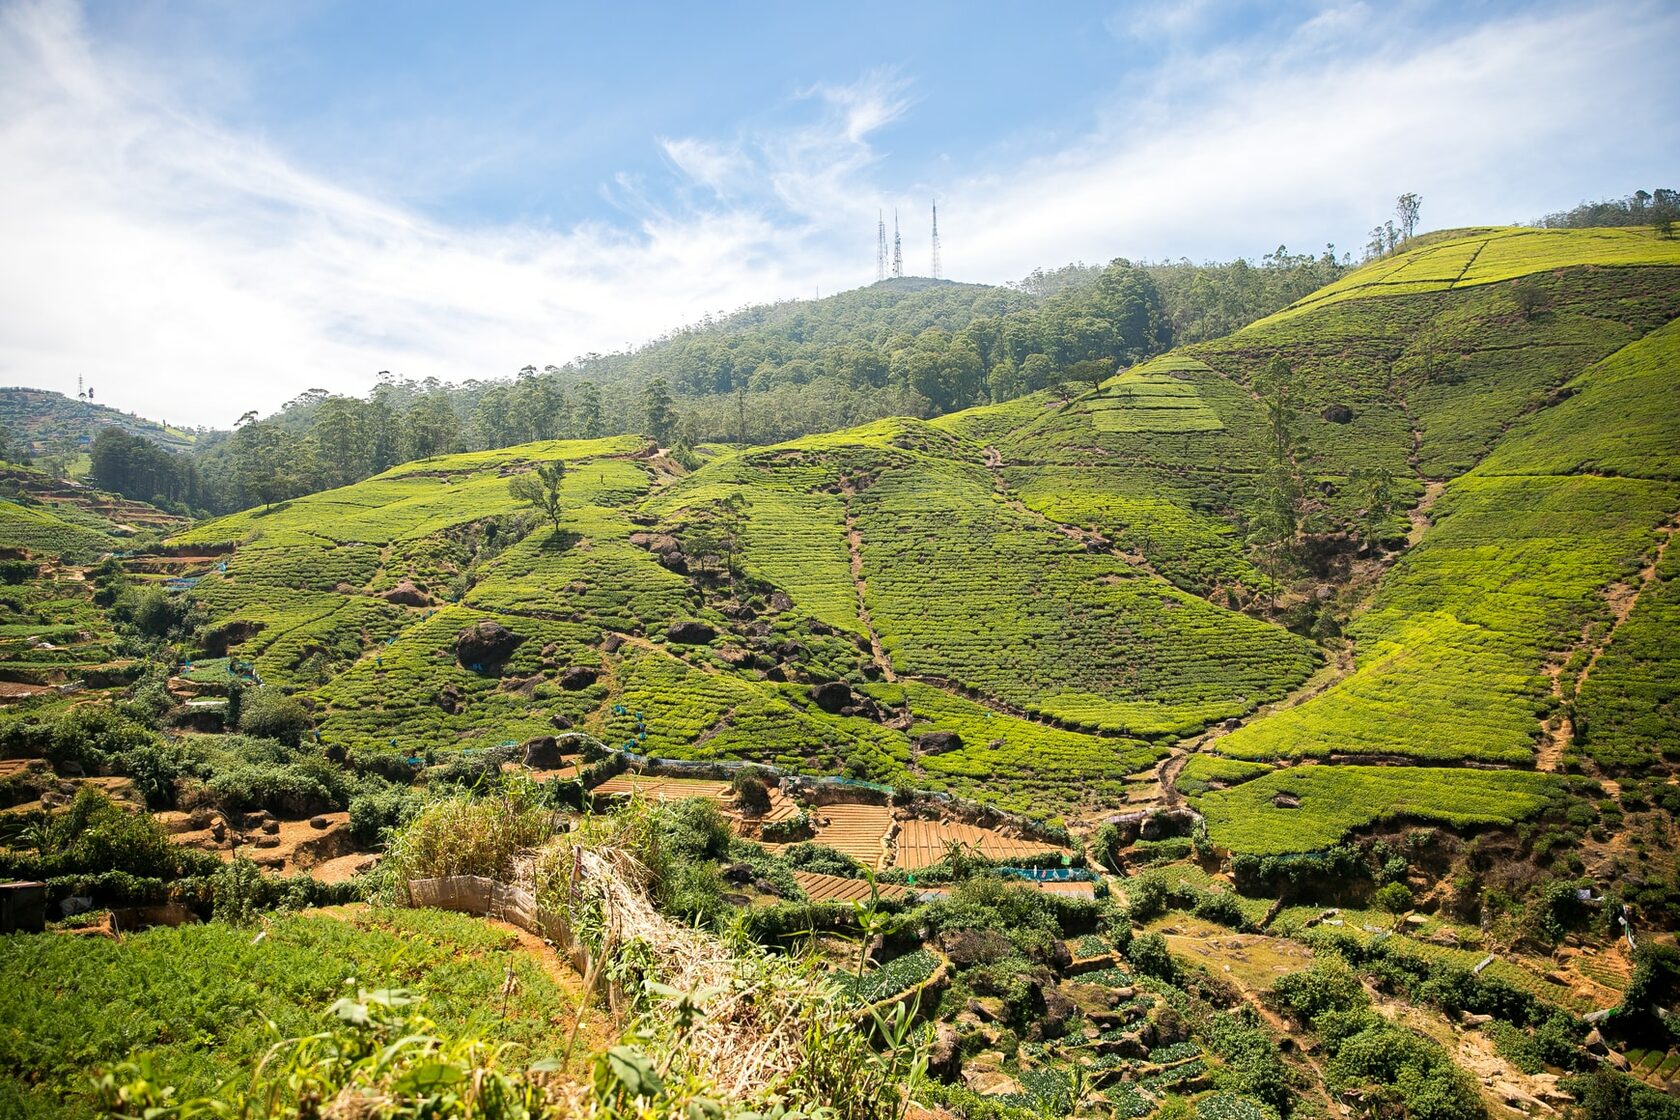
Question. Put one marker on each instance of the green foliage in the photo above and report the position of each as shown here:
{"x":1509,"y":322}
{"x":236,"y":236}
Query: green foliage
{"x":270,"y":714}
{"x":1258,"y":817}
{"x":197,"y":1000}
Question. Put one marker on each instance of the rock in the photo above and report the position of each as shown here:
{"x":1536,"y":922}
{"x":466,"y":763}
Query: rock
{"x":611,"y":643}
{"x":1286,"y":800}
{"x":832,"y":696}
{"x":738,"y":873}
{"x":319,"y":822}
{"x":406,"y":594}
{"x":579,"y":677}
{"x":775,"y":673}
{"x":975,"y":946}
{"x":689,"y":632}
{"x":736,"y":656}
{"x":944,"y":1059}
{"x":485,"y":643}
{"x":991,"y":1083}
{"x":559,"y":723}
{"x":1594,"y":1042}
{"x":1338,"y":414}
{"x":543,"y":753}
{"x":1618,"y":1060}
{"x":269,"y":828}
{"x":990,"y":1010}
{"x":1053,"y":1021}
{"x":449,"y":698}
{"x":779,"y":602}
{"x":938,"y":742}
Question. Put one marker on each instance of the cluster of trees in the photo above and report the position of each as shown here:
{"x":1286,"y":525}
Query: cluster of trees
{"x":138,"y":468}
{"x":1659,"y":208}
{"x":1389,"y":236}
{"x":909,"y":346}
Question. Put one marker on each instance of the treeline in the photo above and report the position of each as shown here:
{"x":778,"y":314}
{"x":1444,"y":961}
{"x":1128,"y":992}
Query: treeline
{"x":1659,"y":208}
{"x":909,"y":346}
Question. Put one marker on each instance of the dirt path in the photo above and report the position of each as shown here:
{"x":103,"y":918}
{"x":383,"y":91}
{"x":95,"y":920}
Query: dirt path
{"x":1419,"y":515}
{"x":1621,"y":598}
{"x":1087,"y":538}
{"x":1339,"y":668}
{"x":854,"y":545}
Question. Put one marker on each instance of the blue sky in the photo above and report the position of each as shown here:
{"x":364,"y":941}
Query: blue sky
{"x":215,"y":206}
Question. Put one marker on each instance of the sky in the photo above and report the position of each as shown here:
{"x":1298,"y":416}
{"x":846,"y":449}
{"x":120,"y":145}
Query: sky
{"x":207,"y":208}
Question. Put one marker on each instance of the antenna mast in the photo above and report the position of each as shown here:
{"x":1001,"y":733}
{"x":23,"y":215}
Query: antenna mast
{"x":898,"y":249}
{"x":936,"y":239}
{"x":880,"y":246}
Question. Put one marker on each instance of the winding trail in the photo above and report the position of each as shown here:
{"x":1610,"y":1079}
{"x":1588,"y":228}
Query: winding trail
{"x":1621,"y":598}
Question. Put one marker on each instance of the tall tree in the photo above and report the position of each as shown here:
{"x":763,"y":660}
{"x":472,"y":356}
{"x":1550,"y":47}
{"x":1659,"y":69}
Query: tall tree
{"x":658,"y":411}
{"x":1406,"y":209}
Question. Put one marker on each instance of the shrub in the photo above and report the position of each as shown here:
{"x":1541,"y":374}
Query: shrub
{"x":1148,"y":954}
{"x":271,"y":714}
{"x":807,"y":855}
{"x":463,"y":836}
{"x":380,"y":808}
{"x":752,"y":793}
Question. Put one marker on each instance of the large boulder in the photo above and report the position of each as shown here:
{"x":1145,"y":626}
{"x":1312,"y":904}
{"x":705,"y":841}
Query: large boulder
{"x":1337,"y":414}
{"x":579,"y":677}
{"x":944,"y":1061}
{"x":831,"y":696}
{"x":689,"y":632}
{"x":485,"y":643}
{"x":543,"y":753}
{"x":406,"y":594}
{"x":938,"y":742}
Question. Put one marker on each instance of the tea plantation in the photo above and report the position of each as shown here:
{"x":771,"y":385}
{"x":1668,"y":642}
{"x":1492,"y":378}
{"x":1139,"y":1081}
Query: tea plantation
{"x":1345,"y":643}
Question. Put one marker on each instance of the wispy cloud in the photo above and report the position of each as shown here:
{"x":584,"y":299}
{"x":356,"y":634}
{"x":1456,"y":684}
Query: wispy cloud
{"x":192,"y":272}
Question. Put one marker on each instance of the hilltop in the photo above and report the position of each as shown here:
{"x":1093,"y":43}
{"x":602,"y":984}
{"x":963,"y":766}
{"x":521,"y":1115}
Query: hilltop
{"x":44,"y":422}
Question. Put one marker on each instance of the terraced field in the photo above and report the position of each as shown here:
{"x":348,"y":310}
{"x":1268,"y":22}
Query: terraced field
{"x":1031,"y":602}
{"x":1489,"y":256}
{"x":921,"y":842}
{"x":1308,"y":808}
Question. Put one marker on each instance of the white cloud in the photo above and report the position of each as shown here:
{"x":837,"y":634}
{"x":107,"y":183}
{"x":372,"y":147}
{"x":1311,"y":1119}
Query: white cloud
{"x":192,"y":273}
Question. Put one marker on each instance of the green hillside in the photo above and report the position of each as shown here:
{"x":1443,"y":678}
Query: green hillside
{"x":42,"y":422}
{"x":1070,"y":587}
{"x":1332,"y":657}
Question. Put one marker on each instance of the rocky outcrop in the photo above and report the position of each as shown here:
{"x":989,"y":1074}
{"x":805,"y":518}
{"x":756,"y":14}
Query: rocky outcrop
{"x":485,"y":643}
{"x":406,"y":594}
{"x":689,"y":632}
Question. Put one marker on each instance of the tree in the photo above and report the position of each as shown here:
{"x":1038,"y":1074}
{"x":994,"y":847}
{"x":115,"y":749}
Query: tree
{"x":586,"y":411}
{"x":1376,"y":495}
{"x":1277,"y":515}
{"x":1406,"y":213}
{"x":1393,"y":899}
{"x":659,"y":411}
{"x":1093,"y":371}
{"x":540,"y":488}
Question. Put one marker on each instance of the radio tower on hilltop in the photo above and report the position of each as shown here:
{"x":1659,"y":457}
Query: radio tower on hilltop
{"x":880,"y":246}
{"x":898,"y":249}
{"x":936,"y":240}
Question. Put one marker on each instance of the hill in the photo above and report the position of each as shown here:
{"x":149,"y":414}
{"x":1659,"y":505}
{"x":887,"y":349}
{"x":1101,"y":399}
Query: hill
{"x":1064,"y":587}
{"x":1285,"y":719}
{"x":43,"y":422}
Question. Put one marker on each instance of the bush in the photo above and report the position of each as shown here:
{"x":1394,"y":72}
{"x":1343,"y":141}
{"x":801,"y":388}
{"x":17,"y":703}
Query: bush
{"x":96,"y":834}
{"x":1148,"y":954}
{"x":378,"y":809}
{"x":271,"y":714}
{"x":823,"y":860}
{"x":752,"y":792}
